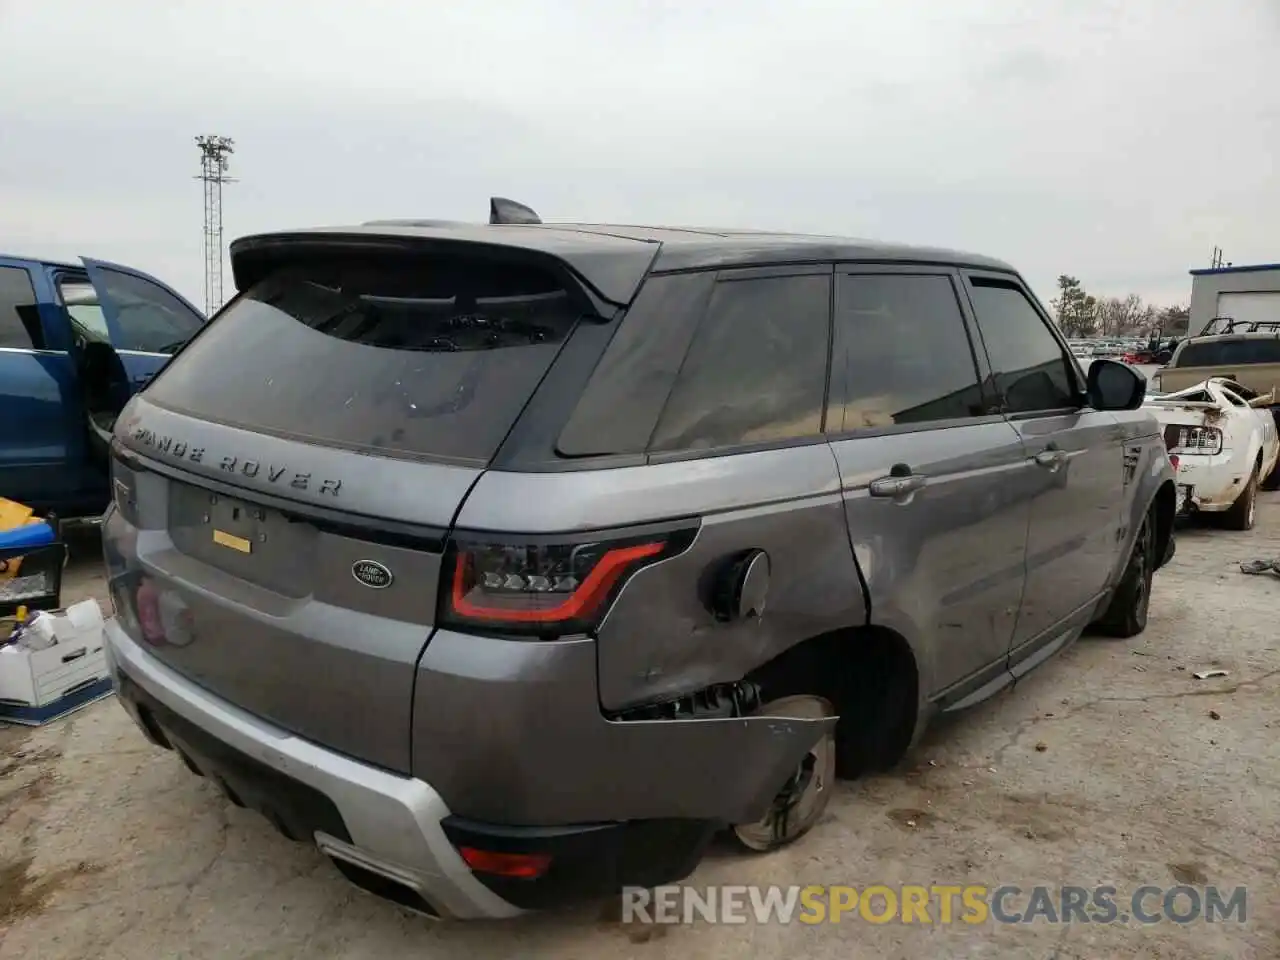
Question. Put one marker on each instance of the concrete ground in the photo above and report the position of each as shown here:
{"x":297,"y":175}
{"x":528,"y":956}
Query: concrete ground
{"x":1112,"y":765}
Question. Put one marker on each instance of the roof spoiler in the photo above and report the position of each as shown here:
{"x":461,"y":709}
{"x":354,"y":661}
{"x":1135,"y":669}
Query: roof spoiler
{"x":502,"y":210}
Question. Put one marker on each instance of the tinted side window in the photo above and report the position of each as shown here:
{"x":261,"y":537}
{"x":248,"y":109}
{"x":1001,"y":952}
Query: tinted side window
{"x":1030,"y":368}
{"x":19,"y":317}
{"x":621,"y":402}
{"x":756,"y":370}
{"x":902,"y":353}
{"x":152,"y":320}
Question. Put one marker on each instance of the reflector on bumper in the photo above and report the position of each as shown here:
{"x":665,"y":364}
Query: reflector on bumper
{"x":1185,"y":497}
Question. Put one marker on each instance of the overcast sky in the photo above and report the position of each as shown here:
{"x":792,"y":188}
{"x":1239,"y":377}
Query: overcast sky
{"x":1116,"y":140}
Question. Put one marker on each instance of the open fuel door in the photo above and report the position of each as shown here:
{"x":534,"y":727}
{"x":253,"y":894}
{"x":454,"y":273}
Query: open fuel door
{"x":146,"y":322}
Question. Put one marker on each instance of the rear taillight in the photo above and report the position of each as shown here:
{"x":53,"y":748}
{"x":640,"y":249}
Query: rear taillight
{"x":1173,"y":461}
{"x":1203,"y":440}
{"x":519,"y":866}
{"x":546,"y":588}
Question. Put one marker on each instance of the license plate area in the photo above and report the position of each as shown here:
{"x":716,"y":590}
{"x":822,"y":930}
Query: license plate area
{"x":256,"y":543}
{"x":236,"y":525}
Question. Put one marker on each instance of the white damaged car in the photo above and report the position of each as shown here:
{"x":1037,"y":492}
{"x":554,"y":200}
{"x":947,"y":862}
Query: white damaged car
{"x":1223,"y":445}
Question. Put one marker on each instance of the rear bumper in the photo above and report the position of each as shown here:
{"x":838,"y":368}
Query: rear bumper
{"x":390,"y":834}
{"x":1208,"y":483}
{"x":391,"y":823}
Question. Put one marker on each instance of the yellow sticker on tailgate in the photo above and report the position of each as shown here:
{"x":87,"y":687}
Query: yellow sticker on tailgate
{"x":222,"y":538}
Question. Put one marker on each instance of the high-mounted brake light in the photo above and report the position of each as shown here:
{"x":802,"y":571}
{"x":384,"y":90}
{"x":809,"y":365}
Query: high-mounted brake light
{"x":548,"y":588}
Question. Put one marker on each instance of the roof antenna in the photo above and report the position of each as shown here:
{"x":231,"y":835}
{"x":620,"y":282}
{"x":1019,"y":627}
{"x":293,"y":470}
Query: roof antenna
{"x":502,"y":210}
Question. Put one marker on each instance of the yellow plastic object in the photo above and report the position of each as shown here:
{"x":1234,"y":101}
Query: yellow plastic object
{"x":12,"y":516}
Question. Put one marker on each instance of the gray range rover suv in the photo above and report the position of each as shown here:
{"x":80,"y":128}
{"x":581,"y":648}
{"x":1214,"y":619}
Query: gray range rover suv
{"x":510,"y":562}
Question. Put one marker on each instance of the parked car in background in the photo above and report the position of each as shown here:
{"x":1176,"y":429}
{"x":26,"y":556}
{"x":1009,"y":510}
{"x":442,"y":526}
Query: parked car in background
{"x":616,"y":537}
{"x":76,"y":341}
{"x":1222,"y":446}
{"x":1248,"y":358}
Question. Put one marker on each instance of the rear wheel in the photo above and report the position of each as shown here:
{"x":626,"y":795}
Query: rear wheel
{"x":1126,"y":614}
{"x":802,"y":800}
{"x":1242,"y":513}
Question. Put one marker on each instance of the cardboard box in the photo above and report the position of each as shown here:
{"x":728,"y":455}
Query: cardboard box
{"x":72,"y":658}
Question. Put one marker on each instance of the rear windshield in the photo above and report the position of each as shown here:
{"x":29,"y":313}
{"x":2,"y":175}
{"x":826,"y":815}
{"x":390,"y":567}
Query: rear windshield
{"x":1219,"y":352}
{"x":398,"y":356}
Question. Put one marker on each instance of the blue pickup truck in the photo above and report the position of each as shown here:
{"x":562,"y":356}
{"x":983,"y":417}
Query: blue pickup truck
{"x":76,"y":341}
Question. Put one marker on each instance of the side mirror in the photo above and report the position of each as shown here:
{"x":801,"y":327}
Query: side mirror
{"x":1115,"y":386}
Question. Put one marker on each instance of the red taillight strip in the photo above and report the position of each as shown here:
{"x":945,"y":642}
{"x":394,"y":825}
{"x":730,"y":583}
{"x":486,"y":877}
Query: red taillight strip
{"x":589,"y":593}
{"x":520,"y":866}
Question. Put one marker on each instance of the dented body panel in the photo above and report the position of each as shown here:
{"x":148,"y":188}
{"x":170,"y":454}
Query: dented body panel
{"x":538,"y":750}
{"x":1244,"y":435}
{"x":945,"y":568}
{"x":660,"y":639}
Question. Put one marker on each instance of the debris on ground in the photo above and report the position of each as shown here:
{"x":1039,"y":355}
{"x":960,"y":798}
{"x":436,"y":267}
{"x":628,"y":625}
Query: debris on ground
{"x":1209,"y":674}
{"x":1255,"y":567}
{"x":1214,"y":715}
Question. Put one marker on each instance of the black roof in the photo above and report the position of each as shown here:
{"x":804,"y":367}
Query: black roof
{"x":614,"y":258}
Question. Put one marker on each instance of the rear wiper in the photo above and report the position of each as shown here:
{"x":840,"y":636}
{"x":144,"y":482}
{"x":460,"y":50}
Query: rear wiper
{"x":499,"y":325}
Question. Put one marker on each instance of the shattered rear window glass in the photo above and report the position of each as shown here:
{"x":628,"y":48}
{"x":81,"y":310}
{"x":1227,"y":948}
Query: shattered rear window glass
{"x":420,"y":357}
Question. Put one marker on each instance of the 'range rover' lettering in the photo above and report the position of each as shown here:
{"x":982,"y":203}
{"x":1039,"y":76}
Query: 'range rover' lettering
{"x":273,"y":473}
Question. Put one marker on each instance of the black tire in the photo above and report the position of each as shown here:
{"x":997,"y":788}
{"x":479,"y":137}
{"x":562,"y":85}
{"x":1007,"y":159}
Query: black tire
{"x":1126,"y":614}
{"x":1272,"y":480}
{"x":1241,"y":514}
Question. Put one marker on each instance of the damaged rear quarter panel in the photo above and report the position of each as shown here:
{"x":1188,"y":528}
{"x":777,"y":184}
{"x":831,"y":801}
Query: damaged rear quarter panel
{"x":537,"y":748}
{"x":511,"y":732}
{"x":661,"y":639}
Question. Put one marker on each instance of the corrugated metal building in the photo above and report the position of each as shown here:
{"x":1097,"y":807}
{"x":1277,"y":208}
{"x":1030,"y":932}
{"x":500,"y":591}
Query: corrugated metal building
{"x":1245,"y":294}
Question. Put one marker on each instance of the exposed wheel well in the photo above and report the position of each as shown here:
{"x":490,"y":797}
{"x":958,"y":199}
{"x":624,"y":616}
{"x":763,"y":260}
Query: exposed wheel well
{"x":870,"y":676}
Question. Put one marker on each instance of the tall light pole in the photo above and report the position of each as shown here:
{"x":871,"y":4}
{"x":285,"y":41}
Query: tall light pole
{"x":214,"y":163}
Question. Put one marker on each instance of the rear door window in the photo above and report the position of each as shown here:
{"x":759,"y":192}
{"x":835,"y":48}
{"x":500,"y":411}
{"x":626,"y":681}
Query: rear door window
{"x":901,"y":353}
{"x":1218,"y":352}
{"x":407,"y":356}
{"x":1032,"y":371}
{"x":19,"y":318}
{"x":756,"y":371}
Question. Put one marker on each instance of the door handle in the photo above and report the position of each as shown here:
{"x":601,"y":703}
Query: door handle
{"x":896,"y":487}
{"x":1050,"y":459}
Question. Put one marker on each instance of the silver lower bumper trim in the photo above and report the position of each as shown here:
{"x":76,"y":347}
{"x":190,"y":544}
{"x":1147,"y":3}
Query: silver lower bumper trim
{"x":394,"y":821}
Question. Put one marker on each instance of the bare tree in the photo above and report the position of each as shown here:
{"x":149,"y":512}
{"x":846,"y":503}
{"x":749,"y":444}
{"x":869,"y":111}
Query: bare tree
{"x":1174,"y":320}
{"x":1125,"y":316}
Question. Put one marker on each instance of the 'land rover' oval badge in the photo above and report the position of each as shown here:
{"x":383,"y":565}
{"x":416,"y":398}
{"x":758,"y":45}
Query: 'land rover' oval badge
{"x":372,"y":574}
